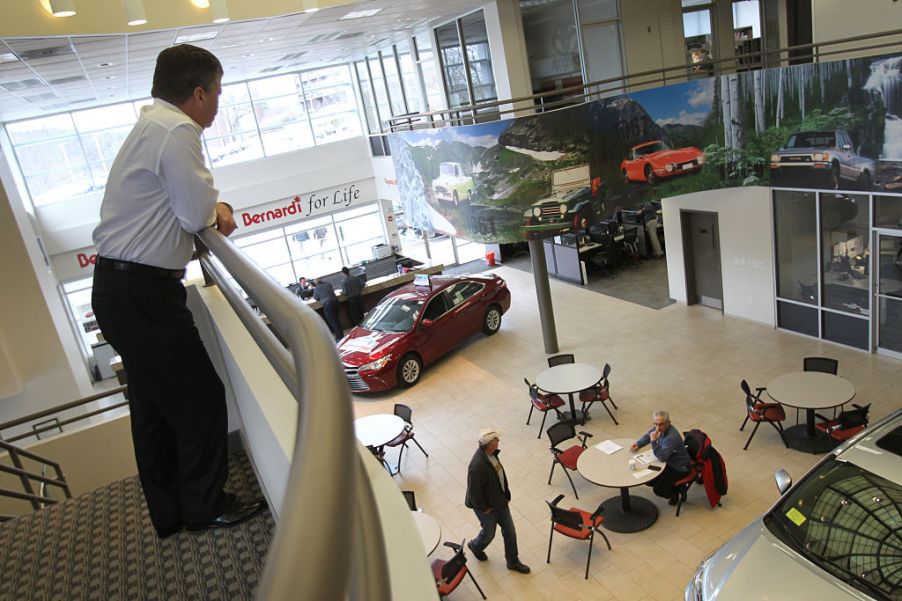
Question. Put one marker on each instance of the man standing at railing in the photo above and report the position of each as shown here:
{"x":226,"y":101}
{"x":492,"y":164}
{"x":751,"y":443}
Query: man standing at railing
{"x":159,"y":193}
{"x":489,"y":495}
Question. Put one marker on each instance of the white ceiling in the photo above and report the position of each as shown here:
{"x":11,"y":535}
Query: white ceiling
{"x":42,"y":76}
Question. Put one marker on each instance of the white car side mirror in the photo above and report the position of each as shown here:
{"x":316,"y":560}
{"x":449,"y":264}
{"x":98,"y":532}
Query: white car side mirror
{"x":784,"y":480}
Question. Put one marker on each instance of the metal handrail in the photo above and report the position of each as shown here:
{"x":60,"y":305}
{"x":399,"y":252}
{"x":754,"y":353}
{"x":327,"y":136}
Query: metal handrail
{"x":584,"y":91}
{"x":60,"y":408}
{"x":328,"y":495}
{"x":25,"y":477}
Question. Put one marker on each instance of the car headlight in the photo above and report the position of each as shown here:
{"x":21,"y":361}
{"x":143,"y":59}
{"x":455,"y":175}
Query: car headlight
{"x":695,"y":590}
{"x":375,"y":365}
{"x":536,"y":212}
{"x":821,"y":156}
{"x":775,"y":158}
{"x":563,"y":209}
{"x":669,"y":167}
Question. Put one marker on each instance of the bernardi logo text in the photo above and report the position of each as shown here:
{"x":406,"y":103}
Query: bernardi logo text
{"x":316,"y":203}
{"x":86,"y":260}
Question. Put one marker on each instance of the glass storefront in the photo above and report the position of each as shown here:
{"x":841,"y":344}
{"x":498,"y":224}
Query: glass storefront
{"x":825,"y":272}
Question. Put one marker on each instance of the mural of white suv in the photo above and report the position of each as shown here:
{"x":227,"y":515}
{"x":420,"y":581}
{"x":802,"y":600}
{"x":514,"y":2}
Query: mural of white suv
{"x":823,"y":158}
{"x":452,"y":184}
{"x":837,"y":534}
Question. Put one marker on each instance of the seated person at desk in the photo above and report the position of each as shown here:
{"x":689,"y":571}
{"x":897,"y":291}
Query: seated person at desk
{"x":325,"y":294}
{"x":668,"y":446}
{"x":303,"y":288}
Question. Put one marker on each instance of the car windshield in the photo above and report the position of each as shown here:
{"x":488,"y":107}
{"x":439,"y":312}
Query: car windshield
{"x":846,"y":520}
{"x":393,"y":315}
{"x":650,"y":148}
{"x":812,"y":139}
{"x":447,"y":169}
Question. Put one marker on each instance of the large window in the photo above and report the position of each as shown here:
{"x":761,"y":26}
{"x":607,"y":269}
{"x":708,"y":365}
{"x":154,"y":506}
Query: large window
{"x":70,"y":154}
{"x":552,"y":44}
{"x":845,"y":252}
{"x":698,"y":34}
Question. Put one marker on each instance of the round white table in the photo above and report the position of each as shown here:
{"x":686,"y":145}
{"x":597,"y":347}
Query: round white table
{"x":379,"y":429}
{"x":810,"y":390}
{"x":569,"y":379}
{"x":430,"y":530}
{"x":623,"y":513}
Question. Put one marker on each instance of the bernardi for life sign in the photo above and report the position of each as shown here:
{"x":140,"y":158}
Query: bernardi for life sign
{"x":75,"y":264}
{"x":305,"y":206}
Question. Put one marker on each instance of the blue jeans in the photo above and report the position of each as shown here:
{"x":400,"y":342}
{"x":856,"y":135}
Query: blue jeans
{"x":488,"y":521}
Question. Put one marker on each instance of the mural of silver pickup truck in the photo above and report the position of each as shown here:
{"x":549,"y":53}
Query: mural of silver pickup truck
{"x":821,"y":159}
{"x":574,"y":204}
{"x":452,"y":184}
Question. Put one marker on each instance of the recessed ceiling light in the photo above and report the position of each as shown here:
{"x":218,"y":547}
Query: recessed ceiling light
{"x":247,"y":55}
{"x":110,"y":77}
{"x":359,"y":14}
{"x":267,"y":39}
{"x":196,"y":37}
{"x":105,"y":65}
{"x":201,"y":3}
{"x":8,"y":57}
{"x":312,"y":9}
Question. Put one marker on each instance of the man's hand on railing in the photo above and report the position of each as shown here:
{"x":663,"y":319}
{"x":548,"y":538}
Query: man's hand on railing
{"x":225,"y":222}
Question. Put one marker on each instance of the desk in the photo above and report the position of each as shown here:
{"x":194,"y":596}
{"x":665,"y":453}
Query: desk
{"x":809,"y":390}
{"x":569,"y":379}
{"x":623,"y":513}
{"x":430,"y":530}
{"x":379,"y":429}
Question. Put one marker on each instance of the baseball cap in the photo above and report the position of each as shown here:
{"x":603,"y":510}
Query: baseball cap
{"x":486,"y":435}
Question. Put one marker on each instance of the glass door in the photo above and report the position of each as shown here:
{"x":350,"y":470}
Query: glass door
{"x":888,"y":294}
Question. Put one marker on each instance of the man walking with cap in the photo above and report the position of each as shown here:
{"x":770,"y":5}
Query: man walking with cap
{"x":488,"y":495}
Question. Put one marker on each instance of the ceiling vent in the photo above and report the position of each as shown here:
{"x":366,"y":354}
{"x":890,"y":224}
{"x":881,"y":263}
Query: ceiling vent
{"x":14,"y":86}
{"x":270,"y":69}
{"x":62,"y":80}
{"x":39,"y":53}
{"x":292,"y":56}
{"x":348,"y":36}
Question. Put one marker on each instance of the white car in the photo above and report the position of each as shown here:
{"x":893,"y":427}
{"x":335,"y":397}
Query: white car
{"x":836,"y":535}
{"x":452,"y":184}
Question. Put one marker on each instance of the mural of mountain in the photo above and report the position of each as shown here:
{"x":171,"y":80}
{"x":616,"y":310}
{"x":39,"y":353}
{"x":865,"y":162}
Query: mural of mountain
{"x":563,"y":130}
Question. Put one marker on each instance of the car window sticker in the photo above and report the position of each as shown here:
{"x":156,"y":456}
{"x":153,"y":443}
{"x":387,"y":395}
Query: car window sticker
{"x":795,"y":516}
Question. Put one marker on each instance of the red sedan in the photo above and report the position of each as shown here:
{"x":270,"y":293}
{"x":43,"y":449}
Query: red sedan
{"x":652,"y":160}
{"x":415,"y":325}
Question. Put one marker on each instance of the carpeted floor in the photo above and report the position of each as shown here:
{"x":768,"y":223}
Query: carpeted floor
{"x":101,"y":546}
{"x":643,"y":284}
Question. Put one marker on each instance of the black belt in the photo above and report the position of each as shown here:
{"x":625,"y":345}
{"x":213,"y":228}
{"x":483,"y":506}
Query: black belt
{"x":140,"y":268}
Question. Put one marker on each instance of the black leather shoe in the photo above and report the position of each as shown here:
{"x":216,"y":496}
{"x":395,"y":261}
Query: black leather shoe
{"x":234,"y":515}
{"x":519,"y":567}
{"x":480,"y":555}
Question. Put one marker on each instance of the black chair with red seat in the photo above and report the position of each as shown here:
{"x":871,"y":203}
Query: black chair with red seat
{"x":758,"y":411}
{"x":449,"y":573}
{"x":846,"y":425}
{"x":567,"y":459}
{"x":600,"y":393}
{"x":561,"y":359}
{"x":544,"y":403}
{"x":405,"y":413}
{"x":575,"y":523}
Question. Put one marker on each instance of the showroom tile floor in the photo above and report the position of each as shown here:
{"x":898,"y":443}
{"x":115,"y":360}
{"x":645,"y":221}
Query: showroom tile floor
{"x":688,"y":360}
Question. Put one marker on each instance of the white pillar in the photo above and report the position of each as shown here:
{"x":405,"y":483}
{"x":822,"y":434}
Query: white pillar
{"x":507,"y":44}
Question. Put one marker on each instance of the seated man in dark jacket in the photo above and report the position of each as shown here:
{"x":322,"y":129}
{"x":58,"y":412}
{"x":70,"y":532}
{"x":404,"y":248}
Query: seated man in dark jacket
{"x":488,"y":495}
{"x":668,"y":446}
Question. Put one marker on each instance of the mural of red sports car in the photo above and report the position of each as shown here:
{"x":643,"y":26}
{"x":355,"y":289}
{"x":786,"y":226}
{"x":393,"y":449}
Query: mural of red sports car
{"x":650,"y":161}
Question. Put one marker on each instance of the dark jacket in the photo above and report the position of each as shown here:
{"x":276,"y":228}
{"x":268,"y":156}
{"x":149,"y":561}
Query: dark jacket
{"x":324,"y":293}
{"x":483,"y":486}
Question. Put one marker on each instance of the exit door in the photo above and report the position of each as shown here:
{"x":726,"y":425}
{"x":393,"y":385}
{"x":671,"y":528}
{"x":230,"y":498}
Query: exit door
{"x":701,"y":254}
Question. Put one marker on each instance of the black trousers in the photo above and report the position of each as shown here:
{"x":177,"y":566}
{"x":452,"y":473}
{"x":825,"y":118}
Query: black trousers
{"x":330,"y":312}
{"x":177,"y":401}
{"x":663,"y":484}
{"x":355,"y":309}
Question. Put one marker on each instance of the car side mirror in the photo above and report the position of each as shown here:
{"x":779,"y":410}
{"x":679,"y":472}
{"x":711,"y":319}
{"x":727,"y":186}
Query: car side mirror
{"x":784,"y":480}
{"x":847,"y":147}
{"x":426,"y":323}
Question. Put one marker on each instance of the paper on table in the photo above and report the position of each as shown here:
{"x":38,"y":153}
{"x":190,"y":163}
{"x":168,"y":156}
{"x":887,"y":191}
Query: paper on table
{"x":608,"y":447}
{"x":646,"y":457}
{"x":643,"y":473}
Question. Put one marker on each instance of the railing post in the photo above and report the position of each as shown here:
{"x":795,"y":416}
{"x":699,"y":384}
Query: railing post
{"x":26,"y":482}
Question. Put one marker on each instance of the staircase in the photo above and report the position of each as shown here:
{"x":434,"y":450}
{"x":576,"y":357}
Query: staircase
{"x":101,"y":546}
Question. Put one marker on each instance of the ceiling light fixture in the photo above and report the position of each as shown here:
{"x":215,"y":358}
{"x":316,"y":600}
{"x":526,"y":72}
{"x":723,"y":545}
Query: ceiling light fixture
{"x":201,"y":3}
{"x":134,"y":12}
{"x":310,"y":6}
{"x":62,"y":8}
{"x":220,"y":11}
{"x":8,"y":57}
{"x":359,"y":14}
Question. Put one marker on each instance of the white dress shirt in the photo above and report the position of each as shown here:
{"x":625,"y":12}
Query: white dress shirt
{"x":159,"y":192}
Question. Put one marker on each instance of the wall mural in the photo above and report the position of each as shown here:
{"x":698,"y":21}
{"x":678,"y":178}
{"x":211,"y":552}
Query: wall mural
{"x":833,"y":125}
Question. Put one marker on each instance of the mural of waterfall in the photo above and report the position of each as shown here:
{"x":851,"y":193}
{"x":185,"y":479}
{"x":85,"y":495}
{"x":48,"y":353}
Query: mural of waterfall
{"x":835,"y":125}
{"x":885,"y":81}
